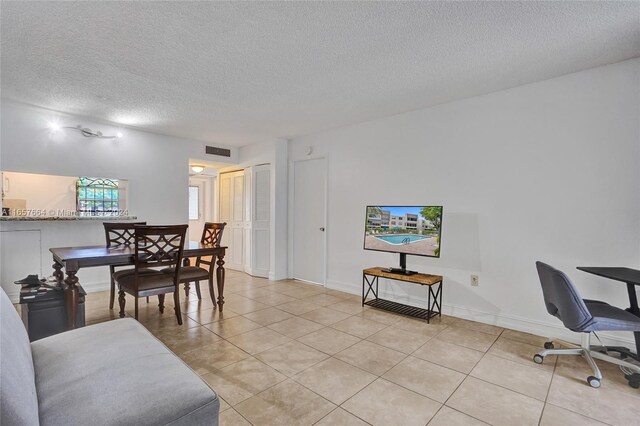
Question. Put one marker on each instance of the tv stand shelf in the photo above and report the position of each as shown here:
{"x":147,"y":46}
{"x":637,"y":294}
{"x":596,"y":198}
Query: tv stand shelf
{"x":370,"y":278}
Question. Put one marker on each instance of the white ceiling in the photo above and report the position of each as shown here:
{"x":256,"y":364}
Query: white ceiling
{"x":243,"y":72}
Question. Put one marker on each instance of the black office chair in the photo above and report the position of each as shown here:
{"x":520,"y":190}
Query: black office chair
{"x":585,"y":316}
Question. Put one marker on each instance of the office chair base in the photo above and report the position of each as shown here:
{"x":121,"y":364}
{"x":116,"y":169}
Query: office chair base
{"x":589,"y":352}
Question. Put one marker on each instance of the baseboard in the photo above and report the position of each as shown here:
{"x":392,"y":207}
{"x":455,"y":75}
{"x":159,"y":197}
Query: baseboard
{"x":527,"y":325}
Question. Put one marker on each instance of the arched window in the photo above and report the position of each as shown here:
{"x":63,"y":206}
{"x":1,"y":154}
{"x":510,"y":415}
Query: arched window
{"x":97,"y":196}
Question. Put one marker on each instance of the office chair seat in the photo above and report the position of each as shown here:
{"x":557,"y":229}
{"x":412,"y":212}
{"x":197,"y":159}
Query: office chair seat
{"x":610,"y":318}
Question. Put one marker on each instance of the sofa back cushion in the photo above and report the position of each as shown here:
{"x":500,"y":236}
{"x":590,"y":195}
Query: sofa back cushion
{"x":17,"y":384}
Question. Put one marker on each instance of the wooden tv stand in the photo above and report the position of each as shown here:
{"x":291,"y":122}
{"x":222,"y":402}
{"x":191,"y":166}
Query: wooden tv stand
{"x":370,"y":278}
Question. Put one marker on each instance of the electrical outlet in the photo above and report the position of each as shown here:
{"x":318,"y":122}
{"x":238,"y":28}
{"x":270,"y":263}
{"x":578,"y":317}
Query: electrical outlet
{"x":474,"y":280}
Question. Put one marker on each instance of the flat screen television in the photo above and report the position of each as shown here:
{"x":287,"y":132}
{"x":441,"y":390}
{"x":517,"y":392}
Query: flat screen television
{"x":413,"y":230}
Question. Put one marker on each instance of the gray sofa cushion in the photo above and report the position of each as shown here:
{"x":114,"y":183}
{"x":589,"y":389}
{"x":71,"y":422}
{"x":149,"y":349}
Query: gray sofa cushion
{"x":117,"y":373}
{"x":17,"y":386}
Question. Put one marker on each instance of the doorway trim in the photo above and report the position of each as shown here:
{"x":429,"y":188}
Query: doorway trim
{"x":291,"y":214}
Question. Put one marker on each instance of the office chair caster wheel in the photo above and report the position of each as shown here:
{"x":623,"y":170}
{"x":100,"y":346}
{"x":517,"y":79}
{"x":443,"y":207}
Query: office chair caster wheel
{"x":634,"y":380}
{"x":548,"y":345}
{"x":594,"y":382}
{"x":537,"y":358}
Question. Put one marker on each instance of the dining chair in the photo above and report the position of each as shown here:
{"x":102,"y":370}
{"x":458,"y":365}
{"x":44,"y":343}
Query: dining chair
{"x":155,"y":247}
{"x":211,"y":236}
{"x":118,"y":234}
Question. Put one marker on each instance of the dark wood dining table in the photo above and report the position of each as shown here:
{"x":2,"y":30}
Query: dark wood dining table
{"x":72,"y":259}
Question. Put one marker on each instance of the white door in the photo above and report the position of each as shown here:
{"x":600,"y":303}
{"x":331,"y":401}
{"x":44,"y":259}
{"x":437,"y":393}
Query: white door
{"x":196,"y":209}
{"x":232,"y":206}
{"x":309,"y":183}
{"x":260,"y":229}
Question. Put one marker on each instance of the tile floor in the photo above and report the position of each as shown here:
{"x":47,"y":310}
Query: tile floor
{"x":289,"y":353}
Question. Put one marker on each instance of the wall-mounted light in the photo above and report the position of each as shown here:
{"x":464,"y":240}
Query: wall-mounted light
{"x":197,"y":168}
{"x":85,"y":131}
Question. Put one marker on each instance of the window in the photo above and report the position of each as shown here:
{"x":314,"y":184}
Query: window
{"x":194,"y":203}
{"x":97,"y":196}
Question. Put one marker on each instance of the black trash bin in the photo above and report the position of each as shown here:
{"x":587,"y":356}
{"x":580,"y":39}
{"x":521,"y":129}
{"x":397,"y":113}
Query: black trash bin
{"x":44,"y":313}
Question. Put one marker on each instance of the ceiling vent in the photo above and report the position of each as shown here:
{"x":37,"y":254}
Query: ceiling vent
{"x":213,"y":150}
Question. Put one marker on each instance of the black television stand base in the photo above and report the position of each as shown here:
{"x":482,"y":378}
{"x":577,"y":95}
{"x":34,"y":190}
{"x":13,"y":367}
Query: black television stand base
{"x":399,"y":271}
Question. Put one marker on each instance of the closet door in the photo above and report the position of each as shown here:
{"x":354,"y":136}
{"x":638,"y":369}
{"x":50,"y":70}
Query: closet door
{"x":232,"y":205}
{"x":260,"y":246}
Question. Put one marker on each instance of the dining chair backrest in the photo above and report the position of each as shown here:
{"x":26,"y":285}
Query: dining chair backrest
{"x":212,"y":233}
{"x":120,"y":234}
{"x":159,"y":247}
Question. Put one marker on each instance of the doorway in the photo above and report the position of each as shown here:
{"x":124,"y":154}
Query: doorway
{"x":201,"y":204}
{"x":309,"y":220}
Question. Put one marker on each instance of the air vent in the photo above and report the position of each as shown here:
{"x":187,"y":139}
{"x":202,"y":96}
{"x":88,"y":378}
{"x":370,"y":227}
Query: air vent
{"x":213,"y":150}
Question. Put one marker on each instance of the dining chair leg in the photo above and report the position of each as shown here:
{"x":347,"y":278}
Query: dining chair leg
{"x":112,"y":295}
{"x":147,"y":299}
{"x":212,"y":293}
{"x":136,"y":307}
{"x":198,"y":290}
{"x":187,"y":287}
{"x":121,"y":302}
{"x":161,"y":303}
{"x":176,"y":302}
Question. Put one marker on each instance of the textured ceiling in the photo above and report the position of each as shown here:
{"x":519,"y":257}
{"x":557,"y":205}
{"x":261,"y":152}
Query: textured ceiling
{"x":242,"y":72}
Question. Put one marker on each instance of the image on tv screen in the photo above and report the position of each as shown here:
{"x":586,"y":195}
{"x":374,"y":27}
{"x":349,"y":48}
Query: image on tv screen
{"x":404,"y":229}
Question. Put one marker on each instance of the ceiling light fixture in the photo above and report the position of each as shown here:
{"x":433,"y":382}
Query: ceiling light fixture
{"x":197,"y":168}
{"x":85,"y":131}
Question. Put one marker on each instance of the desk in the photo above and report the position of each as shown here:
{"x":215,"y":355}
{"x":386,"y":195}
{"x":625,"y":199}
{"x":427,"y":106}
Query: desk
{"x":626,"y":275}
{"x":434,"y":299}
{"x":73,"y":259}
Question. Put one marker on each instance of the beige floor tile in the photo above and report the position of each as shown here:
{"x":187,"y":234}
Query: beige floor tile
{"x":349,"y":307}
{"x":297,"y":307}
{"x":255,"y":292}
{"x":168,"y":321}
{"x":329,"y":341}
{"x":556,"y":416}
{"x":224,"y":405}
{"x":340,"y":294}
{"x":287,"y":403}
{"x":303,"y":291}
{"x":325,"y":316}
{"x":243,"y":305}
{"x":449,"y":355}
{"x":275,"y":299}
{"x":371,"y":357}
{"x":231,"y":417}
{"x":611,"y":403}
{"x":479,"y":326}
{"x":359,"y":326}
{"x":521,"y":352}
{"x":340,"y":417}
{"x":385,"y":403}
{"x":467,"y":338}
{"x":418,"y":326}
{"x":232,"y":326}
{"x":334,"y":380}
{"x":380,"y":316}
{"x":403,"y":341}
{"x":449,"y":417}
{"x":258,"y":340}
{"x":532,"y":339}
{"x":212,"y":357}
{"x":577,"y":368}
{"x":207,"y":316}
{"x":323,"y":299}
{"x":292,"y":357}
{"x":180,"y":341}
{"x":428,"y":379}
{"x":528,"y":380}
{"x":296,"y":327}
{"x":494,"y":404}
{"x":242,"y":380}
{"x":268,"y":316}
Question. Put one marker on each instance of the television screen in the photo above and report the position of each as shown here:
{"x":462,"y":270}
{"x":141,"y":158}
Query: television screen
{"x":404,"y":229}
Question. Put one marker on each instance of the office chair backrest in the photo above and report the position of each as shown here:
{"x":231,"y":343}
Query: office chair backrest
{"x":562,"y":299}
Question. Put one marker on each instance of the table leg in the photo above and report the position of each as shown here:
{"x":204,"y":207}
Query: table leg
{"x":72,"y":296}
{"x":187,"y":286}
{"x":220,"y":281}
{"x":57,"y":272}
{"x":633,"y":301}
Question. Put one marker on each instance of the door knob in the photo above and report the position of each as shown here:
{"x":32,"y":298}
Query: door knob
{"x":322,"y":228}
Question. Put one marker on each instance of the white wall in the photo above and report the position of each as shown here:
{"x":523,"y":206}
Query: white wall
{"x":156,"y":167}
{"x":547,"y":171}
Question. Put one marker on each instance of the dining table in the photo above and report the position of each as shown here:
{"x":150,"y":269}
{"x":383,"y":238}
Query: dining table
{"x":72,"y":259}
